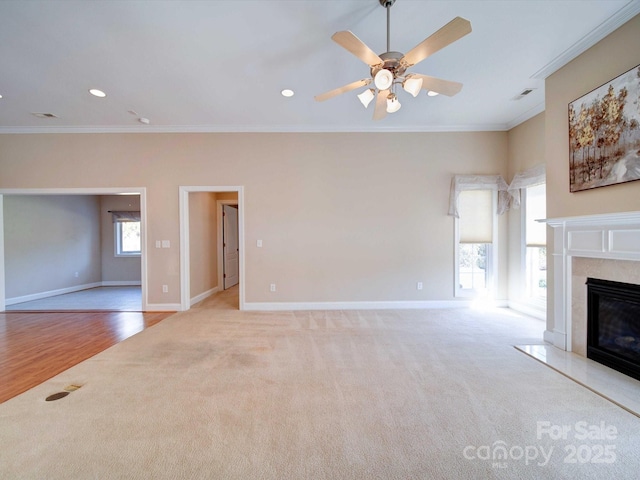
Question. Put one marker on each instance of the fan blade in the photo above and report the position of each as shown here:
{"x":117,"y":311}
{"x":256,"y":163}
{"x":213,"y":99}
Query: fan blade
{"x":350,"y":42}
{"x":381,"y":105}
{"x":452,"y":31}
{"x":445,"y":87}
{"x":346,"y":88}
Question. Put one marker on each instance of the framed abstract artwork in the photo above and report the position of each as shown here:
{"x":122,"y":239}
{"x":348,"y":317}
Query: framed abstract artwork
{"x":604,"y":134}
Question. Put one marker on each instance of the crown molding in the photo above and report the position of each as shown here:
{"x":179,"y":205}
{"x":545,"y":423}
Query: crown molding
{"x":614,"y":22}
{"x":256,"y":129}
{"x":532,"y":112}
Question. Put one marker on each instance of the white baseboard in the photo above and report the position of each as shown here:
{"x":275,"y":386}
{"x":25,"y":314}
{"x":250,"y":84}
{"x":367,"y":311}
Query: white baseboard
{"x":548,"y":336}
{"x":51,"y":293}
{"x":121,"y":283}
{"x":557,"y":339}
{"x":163,"y":307}
{"x":202,"y":296}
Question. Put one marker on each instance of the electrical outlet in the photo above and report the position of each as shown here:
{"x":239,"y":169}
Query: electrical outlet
{"x":75,"y":274}
{"x":259,"y":243}
{"x":165,"y":288}
{"x":272,"y":287}
{"x":419,"y":285}
{"x":158,"y":244}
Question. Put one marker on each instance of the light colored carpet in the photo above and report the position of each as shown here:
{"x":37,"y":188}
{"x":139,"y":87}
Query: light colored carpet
{"x":221,"y":394}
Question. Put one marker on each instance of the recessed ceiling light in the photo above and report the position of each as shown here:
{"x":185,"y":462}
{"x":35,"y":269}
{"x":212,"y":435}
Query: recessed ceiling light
{"x":431,"y":93}
{"x":287,"y":92}
{"x":97,"y":93}
{"x":0,"y":96}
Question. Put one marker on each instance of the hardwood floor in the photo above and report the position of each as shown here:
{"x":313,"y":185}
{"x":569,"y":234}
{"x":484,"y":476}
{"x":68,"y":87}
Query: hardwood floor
{"x":35,"y":346}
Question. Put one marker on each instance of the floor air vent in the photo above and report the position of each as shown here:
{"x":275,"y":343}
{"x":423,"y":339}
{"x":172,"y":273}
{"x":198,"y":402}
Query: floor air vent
{"x":44,"y":115}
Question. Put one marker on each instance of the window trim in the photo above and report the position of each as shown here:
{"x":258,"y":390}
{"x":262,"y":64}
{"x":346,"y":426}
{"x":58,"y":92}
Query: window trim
{"x":537,"y":303}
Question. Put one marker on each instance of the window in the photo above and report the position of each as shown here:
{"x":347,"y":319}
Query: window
{"x":473,"y":274}
{"x":127,"y":238}
{"x":536,"y":243}
{"x":475,"y":233}
{"x":126,"y":228}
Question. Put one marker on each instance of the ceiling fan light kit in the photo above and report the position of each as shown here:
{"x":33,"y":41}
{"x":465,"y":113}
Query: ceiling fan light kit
{"x":366,"y":96}
{"x":412,"y":85}
{"x":393,"y":105}
{"x":383,"y":79}
{"x":389,"y":68}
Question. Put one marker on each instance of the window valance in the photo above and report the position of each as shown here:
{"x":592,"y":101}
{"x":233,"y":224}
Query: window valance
{"x":125,"y":216}
{"x":460,"y":183}
{"x":529,"y":178}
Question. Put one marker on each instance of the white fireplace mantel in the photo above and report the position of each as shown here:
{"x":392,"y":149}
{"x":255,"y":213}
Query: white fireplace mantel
{"x":613,"y":236}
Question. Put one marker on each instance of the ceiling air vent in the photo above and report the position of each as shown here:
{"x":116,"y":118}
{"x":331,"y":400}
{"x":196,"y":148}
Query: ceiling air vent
{"x":523,"y":93}
{"x":44,"y":115}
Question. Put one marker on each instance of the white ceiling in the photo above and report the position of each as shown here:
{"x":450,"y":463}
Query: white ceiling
{"x":209,"y":66}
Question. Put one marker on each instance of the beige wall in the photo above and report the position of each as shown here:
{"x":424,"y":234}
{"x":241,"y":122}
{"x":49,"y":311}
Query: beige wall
{"x":47,"y":240}
{"x":612,"y":56}
{"x":203,"y":242}
{"x":117,"y":269}
{"x":343,"y":217}
{"x":526,"y":145}
{"x":526,"y":150}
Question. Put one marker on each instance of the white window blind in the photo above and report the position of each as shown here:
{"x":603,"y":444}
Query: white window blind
{"x":461,"y":183}
{"x":475,"y":208}
{"x":536,"y":210}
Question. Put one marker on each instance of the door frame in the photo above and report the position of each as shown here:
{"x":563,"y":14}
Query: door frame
{"x":185,"y":269}
{"x":142,"y":191}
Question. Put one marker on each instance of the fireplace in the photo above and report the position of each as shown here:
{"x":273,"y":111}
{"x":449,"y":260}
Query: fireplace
{"x":613,"y":325}
{"x":602,"y":240}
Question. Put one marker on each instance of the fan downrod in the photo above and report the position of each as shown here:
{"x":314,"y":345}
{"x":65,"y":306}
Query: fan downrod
{"x":387,"y":4}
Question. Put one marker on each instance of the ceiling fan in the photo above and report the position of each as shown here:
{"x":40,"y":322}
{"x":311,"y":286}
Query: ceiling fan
{"x":389,"y":69}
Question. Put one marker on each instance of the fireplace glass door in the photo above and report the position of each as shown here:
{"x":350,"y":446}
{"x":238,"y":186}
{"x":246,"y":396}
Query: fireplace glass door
{"x":613,"y":325}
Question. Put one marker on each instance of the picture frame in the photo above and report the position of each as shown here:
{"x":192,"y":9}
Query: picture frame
{"x":604,"y":134}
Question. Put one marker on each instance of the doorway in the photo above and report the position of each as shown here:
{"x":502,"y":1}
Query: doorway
{"x":198,"y":255}
{"x":76,"y":272}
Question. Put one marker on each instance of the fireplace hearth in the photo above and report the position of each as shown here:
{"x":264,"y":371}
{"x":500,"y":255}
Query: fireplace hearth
{"x":613,"y":325}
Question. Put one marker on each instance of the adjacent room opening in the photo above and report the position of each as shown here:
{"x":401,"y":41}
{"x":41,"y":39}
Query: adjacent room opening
{"x":64,"y":250}
{"x":212,"y":253}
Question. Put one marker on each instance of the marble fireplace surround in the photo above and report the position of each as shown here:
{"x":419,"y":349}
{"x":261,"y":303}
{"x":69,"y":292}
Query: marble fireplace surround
{"x":603,"y":246}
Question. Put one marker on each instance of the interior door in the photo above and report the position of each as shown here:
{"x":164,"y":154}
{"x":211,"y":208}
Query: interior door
{"x":231,"y":267}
